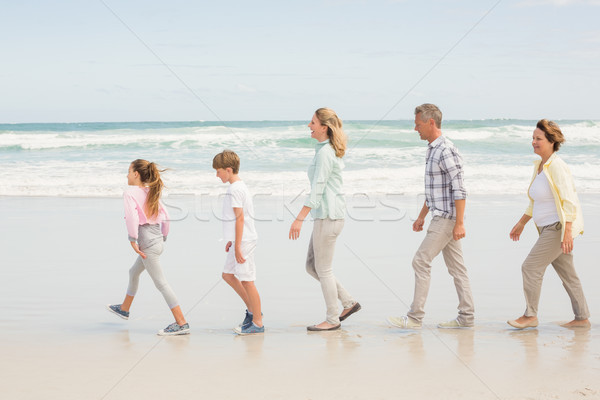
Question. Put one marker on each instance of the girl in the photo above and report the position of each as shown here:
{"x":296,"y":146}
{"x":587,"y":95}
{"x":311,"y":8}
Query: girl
{"x":147,"y":223}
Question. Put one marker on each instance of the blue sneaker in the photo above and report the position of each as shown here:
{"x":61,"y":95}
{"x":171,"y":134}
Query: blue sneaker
{"x":238,"y":329}
{"x":175,"y":329}
{"x":116,"y":309}
{"x":245,"y":323}
{"x":251,"y":329}
{"x":247,"y":319}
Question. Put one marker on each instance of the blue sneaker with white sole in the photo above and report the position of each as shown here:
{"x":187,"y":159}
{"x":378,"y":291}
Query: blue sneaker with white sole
{"x":251,"y":329}
{"x":116,"y":309}
{"x":175,"y":329}
{"x":248,"y":319}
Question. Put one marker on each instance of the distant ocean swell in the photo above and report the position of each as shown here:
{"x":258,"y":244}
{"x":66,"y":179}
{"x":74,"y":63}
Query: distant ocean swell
{"x":91,"y":159}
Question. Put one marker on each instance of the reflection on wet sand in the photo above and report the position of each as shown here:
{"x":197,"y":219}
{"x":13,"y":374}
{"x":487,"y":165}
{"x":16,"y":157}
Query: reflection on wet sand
{"x":577,"y":345}
{"x":574,"y":340}
{"x":253,"y":344}
{"x":528,"y":338}
{"x":464,"y":341}
{"x":121,"y":336}
{"x":178,"y":344}
{"x":413,"y":340}
{"x":336,"y":342}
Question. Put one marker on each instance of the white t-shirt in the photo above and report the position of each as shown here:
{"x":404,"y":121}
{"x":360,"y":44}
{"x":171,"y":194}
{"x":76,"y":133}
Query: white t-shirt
{"x":238,"y":196}
{"x":544,"y":209}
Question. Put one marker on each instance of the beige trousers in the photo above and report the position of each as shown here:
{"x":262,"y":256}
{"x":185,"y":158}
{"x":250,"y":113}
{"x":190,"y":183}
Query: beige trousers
{"x":318,"y":264}
{"x":439,"y":238}
{"x":547,"y":250}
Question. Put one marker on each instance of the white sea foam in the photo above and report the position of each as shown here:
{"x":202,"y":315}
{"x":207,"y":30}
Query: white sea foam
{"x":385,"y":158}
{"x":100,"y":179}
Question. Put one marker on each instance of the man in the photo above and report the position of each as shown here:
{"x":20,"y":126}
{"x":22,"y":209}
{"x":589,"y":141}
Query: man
{"x":445,"y":196}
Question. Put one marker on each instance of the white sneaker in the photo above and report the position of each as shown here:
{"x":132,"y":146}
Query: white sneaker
{"x":453,"y":325}
{"x":404,"y":322}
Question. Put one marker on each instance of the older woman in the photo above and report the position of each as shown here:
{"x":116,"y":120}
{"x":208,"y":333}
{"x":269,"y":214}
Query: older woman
{"x":327,"y":206}
{"x":555,"y":210}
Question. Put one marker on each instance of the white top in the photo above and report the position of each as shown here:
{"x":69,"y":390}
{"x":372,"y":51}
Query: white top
{"x":544,"y":208}
{"x":238,"y":196}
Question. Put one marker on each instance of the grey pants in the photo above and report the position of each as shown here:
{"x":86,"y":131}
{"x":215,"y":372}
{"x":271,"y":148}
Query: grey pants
{"x":318,"y":264}
{"x":439,"y":238}
{"x":150,"y":241}
{"x":547,"y":250}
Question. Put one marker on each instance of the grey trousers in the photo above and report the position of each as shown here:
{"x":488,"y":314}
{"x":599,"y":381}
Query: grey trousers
{"x":150,"y":241}
{"x":318,"y":264}
{"x":547,"y":250}
{"x":439,"y":238}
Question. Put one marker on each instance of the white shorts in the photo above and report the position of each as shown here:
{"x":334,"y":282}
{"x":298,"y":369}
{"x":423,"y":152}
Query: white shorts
{"x":245,"y":271}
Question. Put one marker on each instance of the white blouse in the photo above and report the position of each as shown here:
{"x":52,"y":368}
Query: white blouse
{"x":544,"y":208}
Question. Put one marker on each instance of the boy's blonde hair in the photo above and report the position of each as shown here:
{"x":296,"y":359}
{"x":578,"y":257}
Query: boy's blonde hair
{"x":227,"y":159}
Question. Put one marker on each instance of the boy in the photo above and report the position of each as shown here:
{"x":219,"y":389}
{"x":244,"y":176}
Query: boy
{"x":238,"y":229}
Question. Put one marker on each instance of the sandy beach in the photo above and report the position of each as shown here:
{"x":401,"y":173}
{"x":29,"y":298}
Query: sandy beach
{"x":89,"y":87}
{"x":63,"y":259}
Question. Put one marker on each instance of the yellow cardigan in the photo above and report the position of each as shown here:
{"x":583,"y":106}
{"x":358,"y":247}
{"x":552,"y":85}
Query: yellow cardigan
{"x":563,"y":190}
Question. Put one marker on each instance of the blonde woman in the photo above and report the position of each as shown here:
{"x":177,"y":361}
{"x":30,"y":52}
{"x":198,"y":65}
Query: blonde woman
{"x":555,"y":210}
{"x":147,"y":223}
{"x":327,"y":206}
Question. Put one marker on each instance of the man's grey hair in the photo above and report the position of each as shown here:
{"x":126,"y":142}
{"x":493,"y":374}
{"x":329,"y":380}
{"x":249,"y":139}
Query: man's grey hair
{"x":430,"y":111}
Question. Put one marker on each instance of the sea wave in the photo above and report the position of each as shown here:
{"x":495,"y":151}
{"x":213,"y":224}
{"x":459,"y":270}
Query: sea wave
{"x":382,"y":157}
{"x":295,"y":136}
{"x":106,"y":179}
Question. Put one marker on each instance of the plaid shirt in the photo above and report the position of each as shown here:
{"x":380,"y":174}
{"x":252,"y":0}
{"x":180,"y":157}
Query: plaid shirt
{"x":443,"y":178}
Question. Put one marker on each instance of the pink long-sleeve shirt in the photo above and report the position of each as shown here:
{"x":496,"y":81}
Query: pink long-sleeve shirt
{"x":134,"y":198}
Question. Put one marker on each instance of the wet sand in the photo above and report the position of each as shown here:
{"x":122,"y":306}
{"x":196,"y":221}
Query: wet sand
{"x":64,"y":259}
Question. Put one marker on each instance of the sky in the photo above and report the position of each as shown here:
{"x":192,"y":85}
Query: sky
{"x":109,"y":60}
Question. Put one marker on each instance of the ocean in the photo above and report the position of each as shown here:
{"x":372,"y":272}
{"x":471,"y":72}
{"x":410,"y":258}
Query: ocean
{"x":91,"y":159}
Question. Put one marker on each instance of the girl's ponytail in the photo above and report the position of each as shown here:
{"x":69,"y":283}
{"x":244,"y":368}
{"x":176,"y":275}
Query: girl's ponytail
{"x":156,"y":185}
{"x":150,"y":176}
